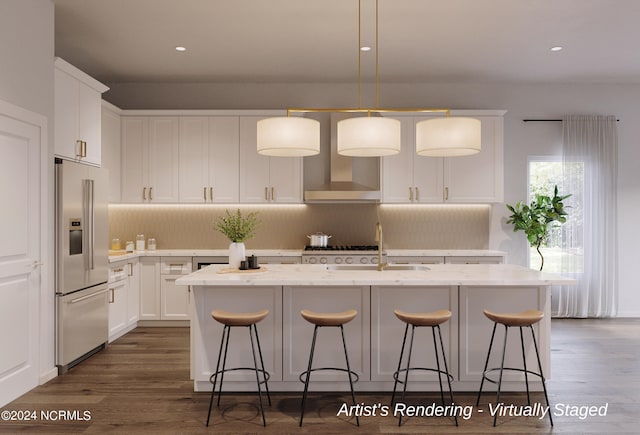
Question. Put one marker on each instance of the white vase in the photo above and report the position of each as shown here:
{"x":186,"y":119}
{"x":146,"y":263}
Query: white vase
{"x":236,"y":254}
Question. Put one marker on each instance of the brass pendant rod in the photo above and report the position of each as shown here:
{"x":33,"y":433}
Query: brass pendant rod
{"x":377,"y":103}
{"x":365,"y":110}
{"x":359,"y":52}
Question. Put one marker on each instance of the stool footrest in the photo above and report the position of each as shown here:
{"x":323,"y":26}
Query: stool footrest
{"x":265,"y":373}
{"x":511,"y":369}
{"x":337,"y":369}
{"x":424,"y":369}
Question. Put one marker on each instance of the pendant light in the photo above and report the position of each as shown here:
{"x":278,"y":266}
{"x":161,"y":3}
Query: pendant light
{"x":371,"y":136}
{"x":288,"y":136}
{"x":448,"y":137}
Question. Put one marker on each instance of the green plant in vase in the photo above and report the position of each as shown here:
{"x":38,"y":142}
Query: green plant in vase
{"x":237,"y":228}
{"x":534,"y":219}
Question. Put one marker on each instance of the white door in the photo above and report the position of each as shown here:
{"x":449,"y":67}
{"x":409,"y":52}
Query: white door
{"x":19,"y":250}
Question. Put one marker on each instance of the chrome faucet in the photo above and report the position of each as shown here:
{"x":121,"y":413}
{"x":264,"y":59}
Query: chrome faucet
{"x":381,"y":264}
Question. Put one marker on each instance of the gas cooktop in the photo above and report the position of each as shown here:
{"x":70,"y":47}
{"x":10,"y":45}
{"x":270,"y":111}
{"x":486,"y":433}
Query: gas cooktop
{"x":342,"y":248}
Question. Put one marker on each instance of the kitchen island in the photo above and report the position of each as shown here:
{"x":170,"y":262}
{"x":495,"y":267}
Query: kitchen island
{"x":374,"y":336}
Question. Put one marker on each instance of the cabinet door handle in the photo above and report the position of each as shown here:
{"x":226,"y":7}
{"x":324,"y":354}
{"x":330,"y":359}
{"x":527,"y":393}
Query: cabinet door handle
{"x":417,"y":194}
{"x":112,"y":297}
{"x":151,"y":194}
{"x":130,"y":269}
{"x":446,"y":193}
{"x":211,"y":193}
{"x":84,"y":149}
{"x":204,"y":193}
{"x":266,"y":194}
{"x":144,"y":193}
{"x":410,"y":194}
{"x":78,"y":148}
{"x":273,"y":194}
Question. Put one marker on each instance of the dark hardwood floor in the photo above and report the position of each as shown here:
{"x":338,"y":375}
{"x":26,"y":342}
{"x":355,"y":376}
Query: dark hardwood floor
{"x":140,"y":384}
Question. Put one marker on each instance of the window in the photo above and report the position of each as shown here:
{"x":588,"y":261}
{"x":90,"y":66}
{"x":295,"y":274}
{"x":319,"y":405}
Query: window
{"x":544,"y":174}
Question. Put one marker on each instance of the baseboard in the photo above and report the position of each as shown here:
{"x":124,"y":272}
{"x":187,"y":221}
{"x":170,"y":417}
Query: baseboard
{"x":627,"y":314}
{"x":164,"y":323}
{"x":47,"y":376}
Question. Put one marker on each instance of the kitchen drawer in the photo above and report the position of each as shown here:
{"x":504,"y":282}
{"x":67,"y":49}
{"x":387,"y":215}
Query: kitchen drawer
{"x":175,"y":266}
{"x":474,"y":260}
{"x":118,"y":273}
{"x":416,"y":260}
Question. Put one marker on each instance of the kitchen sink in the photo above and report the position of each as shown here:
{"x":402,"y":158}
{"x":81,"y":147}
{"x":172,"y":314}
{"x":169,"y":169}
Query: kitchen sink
{"x":375,"y":267}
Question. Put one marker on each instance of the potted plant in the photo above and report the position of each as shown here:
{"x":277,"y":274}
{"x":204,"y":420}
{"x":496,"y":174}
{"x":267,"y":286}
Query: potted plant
{"x":534,"y":219}
{"x":237,"y":229}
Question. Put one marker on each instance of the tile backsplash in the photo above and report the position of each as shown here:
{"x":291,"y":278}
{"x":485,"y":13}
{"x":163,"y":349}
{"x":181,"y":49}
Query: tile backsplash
{"x":184,"y":226}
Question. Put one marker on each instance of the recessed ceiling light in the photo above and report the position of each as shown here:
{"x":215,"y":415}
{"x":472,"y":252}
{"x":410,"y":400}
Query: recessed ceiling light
{"x":556,"y":48}
{"x":365,"y":48}
{"x":180,"y":48}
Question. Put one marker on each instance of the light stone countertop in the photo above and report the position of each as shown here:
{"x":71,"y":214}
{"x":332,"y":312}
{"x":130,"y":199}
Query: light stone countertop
{"x":298,"y":252}
{"x":204,"y":253}
{"x":320,"y":275}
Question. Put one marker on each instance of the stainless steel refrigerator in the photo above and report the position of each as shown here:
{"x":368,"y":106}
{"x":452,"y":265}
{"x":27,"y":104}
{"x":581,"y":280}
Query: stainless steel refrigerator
{"x":82,"y":306}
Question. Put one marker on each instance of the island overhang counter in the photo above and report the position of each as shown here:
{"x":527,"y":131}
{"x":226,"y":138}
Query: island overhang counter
{"x":374,"y":337}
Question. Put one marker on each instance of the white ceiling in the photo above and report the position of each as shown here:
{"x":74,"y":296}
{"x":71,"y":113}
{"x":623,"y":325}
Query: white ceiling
{"x":316,"y":40}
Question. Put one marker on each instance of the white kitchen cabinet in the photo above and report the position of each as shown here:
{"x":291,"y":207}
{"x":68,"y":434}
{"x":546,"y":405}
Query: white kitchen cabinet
{"x":124,"y":297}
{"x":265,"y":179}
{"x":160,"y":298}
{"x":111,"y":155}
{"x":150,"y":288}
{"x":479,"y":177}
{"x":117,"y":308}
{"x":150,"y":159}
{"x":133,"y":292}
{"x":209,"y":159}
{"x":409,"y":178}
{"x":387,"y":330}
{"x":475,"y":330}
{"x":402,"y":259}
{"x":474,"y":260}
{"x":298,"y":333}
{"x":77,"y":110}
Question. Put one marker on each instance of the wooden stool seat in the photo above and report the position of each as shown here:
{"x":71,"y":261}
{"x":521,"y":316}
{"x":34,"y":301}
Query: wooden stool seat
{"x":329,"y":319}
{"x":423,"y":319}
{"x":239,"y":319}
{"x":524,"y":318}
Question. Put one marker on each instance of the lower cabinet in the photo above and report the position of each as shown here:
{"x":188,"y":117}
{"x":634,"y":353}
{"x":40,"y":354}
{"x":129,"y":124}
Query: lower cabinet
{"x":387,"y":331}
{"x":475,"y":331}
{"x":206,"y":334}
{"x":117,"y":308}
{"x":124,"y":297}
{"x":160,"y":297}
{"x":298,"y":333}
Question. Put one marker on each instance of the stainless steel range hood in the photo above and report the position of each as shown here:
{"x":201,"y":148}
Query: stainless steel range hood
{"x":350,"y":179}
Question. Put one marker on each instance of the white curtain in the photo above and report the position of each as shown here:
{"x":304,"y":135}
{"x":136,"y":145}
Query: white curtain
{"x":590,"y":157}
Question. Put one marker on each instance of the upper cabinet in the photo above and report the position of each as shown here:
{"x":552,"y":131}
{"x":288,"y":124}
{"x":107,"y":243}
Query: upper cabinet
{"x":150,"y":159}
{"x":77,"y":110}
{"x":209,"y":159}
{"x":266,"y":179}
{"x":409,"y":178}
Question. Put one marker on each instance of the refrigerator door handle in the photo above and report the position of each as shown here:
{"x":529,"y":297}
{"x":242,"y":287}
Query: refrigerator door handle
{"x":88,"y":217}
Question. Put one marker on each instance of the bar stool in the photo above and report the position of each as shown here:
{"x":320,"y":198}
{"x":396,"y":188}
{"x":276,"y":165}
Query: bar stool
{"x":524,"y":319}
{"x":231,"y":320}
{"x":434,"y":320}
{"x":321,"y":320}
